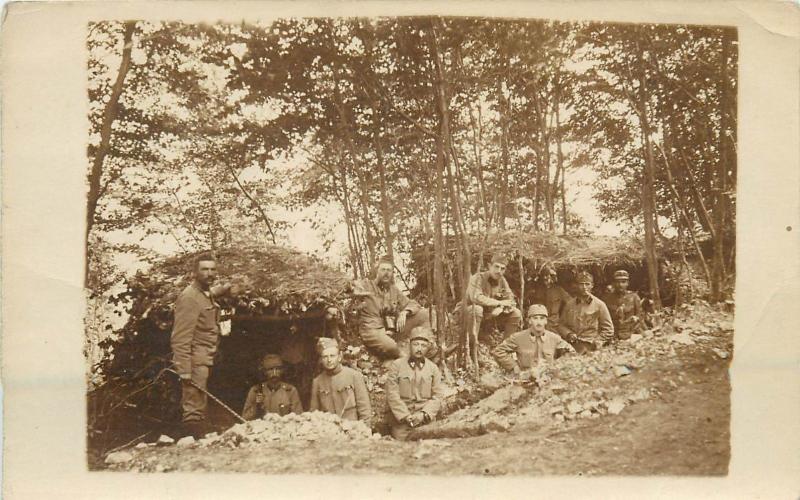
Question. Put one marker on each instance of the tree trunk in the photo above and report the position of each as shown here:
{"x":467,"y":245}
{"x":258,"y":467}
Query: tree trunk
{"x":720,"y":209}
{"x":109,"y":115}
{"x":648,"y":186}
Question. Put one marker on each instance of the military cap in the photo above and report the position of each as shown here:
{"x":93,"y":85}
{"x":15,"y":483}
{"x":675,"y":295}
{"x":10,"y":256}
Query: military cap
{"x":271,"y":361}
{"x":535,"y":309}
{"x":385,"y":260}
{"x":499,"y":258}
{"x":621,"y":275}
{"x":584,"y":277}
{"x":421,"y":332}
{"x":325,"y":343}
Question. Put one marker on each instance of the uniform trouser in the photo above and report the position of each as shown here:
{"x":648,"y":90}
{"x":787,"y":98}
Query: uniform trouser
{"x":385,"y":346}
{"x":400,"y":431}
{"x":193,"y":400}
{"x":510,"y":322}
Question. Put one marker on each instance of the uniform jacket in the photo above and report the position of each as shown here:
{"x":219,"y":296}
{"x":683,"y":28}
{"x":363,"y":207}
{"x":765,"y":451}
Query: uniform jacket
{"x":283,"y":400}
{"x":409,"y":390}
{"x":589,"y":319}
{"x":195,"y":332}
{"x":344,"y":394}
{"x":529,"y":349}
{"x":622,"y":307}
{"x":377,"y":300}
{"x":483,"y":289}
{"x":555,"y":300}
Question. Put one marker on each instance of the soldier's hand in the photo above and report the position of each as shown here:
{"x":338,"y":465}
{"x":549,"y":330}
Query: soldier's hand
{"x":401,"y":320}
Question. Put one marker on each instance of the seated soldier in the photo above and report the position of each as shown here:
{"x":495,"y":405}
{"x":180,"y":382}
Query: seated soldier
{"x":530,"y":345}
{"x":488,"y":293}
{"x":551,"y":295}
{"x":586,"y":322}
{"x":414,"y":387}
{"x":272,"y":395}
{"x":625,"y":307}
{"x":339,"y":389}
{"x":383,"y":312}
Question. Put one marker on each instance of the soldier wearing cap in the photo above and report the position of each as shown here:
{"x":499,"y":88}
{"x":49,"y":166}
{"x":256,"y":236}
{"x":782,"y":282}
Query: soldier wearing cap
{"x":384,"y":312}
{"x":585,"y":321}
{"x":272,"y":395}
{"x":488,"y":293}
{"x":339,"y":389}
{"x":531,"y":345}
{"x":414,"y":387}
{"x":625,"y":307}
{"x":194,"y":339}
{"x":551,"y":295}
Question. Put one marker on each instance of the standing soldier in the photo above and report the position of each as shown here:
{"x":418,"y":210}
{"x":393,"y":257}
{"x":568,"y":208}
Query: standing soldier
{"x":625,"y":307}
{"x":339,"y":389}
{"x":273,"y":395}
{"x":414,"y":387}
{"x":195,"y":335}
{"x":385,"y":312}
{"x":552,"y":296}
{"x":585,"y":321}
{"x":530,"y":345}
{"x":489,"y":291}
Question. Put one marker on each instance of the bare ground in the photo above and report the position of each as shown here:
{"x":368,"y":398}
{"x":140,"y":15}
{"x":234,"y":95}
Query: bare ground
{"x":682,"y":429}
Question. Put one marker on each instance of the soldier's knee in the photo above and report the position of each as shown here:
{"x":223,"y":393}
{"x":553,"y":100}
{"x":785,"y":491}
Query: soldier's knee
{"x":475,"y":311}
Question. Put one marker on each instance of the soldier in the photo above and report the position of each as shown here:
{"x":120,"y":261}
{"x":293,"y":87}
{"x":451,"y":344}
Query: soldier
{"x":585,"y":322}
{"x":488,"y":291}
{"x":339,"y":389}
{"x":273,"y":395}
{"x":385,"y":312}
{"x":530,"y":345}
{"x":195,"y":335}
{"x":414,"y":389}
{"x":552,"y":296}
{"x":625,"y":307}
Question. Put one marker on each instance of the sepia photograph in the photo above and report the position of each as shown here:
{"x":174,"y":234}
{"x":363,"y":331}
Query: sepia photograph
{"x":420,"y":245}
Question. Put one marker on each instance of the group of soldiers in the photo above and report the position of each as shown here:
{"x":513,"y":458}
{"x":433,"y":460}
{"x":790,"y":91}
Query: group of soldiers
{"x":557,"y":322}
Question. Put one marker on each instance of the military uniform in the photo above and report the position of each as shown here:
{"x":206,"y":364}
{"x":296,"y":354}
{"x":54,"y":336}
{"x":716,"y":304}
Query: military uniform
{"x":343,"y":393}
{"x":485,"y":293}
{"x":195,"y":335}
{"x":623,"y":307}
{"x":376,"y":299}
{"x":529,"y":349}
{"x":555,"y":299}
{"x":261,"y":399}
{"x":411,"y":387}
{"x":587,"y":319}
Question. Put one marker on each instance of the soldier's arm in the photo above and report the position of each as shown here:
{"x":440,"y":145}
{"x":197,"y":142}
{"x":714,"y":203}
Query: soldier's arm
{"x":563,"y":344}
{"x":249,"y":410}
{"x":410,"y":305}
{"x":294,"y":398}
{"x":503,"y":354}
{"x":393,"y":400}
{"x":313,"y":405}
{"x":476,"y":295}
{"x":563,"y":323}
{"x":363,"y":404}
{"x":606,"y":326}
{"x":186,"y":313}
{"x":433,"y":405}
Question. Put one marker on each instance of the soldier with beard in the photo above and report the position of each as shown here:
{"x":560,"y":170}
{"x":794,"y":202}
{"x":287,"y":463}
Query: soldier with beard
{"x":273,"y":395}
{"x":586,"y":322}
{"x":414,"y":387}
{"x":384,"y":312}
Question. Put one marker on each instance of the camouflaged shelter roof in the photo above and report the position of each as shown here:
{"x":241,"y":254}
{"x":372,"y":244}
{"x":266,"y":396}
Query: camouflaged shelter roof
{"x":274,"y":280}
